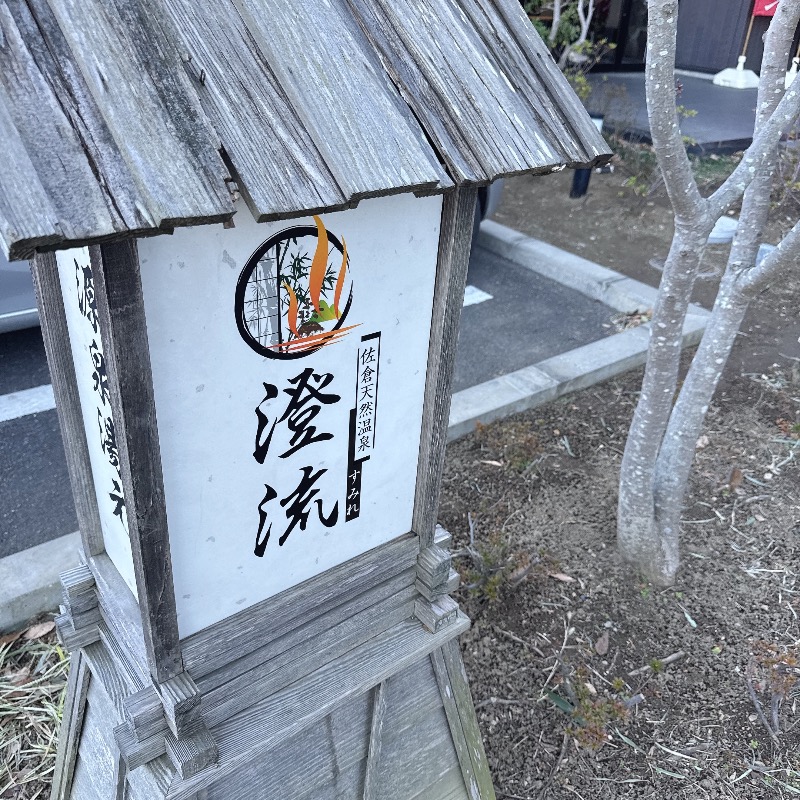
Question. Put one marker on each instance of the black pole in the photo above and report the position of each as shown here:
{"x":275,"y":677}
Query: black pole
{"x":580,"y":182}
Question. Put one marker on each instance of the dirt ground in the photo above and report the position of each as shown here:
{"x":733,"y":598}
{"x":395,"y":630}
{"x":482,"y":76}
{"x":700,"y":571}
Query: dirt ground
{"x":588,"y":681}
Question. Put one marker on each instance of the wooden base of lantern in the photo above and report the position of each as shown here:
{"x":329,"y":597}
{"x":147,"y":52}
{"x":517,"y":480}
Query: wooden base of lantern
{"x":335,"y":690}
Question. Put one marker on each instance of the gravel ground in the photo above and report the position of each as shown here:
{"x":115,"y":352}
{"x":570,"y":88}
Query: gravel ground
{"x":588,"y":681}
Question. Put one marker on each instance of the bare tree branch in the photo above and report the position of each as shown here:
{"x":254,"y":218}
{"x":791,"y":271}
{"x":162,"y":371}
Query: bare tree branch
{"x":757,"y":154}
{"x":662,"y":111}
{"x":585,"y":18}
{"x":551,"y":38}
{"x":785,"y":255}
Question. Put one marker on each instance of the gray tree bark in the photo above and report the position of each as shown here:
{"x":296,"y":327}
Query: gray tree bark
{"x":556,"y":22}
{"x":661,"y":443}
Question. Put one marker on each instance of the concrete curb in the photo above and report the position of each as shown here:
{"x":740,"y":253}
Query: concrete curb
{"x":573,"y":370}
{"x":21,"y":600}
{"x":29,"y":583}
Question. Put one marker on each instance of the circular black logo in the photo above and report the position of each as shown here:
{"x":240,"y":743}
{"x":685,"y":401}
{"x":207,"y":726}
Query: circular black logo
{"x":294,"y":293}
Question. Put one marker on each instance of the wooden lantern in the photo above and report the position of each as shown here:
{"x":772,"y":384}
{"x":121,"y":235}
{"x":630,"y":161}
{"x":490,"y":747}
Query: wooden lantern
{"x":250,"y":228}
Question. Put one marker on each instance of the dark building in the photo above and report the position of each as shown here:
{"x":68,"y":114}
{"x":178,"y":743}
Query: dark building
{"x":711,"y":34}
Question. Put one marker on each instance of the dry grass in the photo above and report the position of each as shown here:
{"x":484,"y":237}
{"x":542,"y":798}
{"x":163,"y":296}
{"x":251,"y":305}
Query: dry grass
{"x":33,"y":680}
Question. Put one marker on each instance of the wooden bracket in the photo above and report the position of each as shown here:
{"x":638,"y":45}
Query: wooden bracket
{"x":449,"y":585}
{"x":166,"y":718}
{"x":192,"y":754}
{"x":435,"y":580}
{"x":78,"y":624}
{"x":181,"y":700}
{"x":144,"y":712}
{"x":433,"y":566}
{"x":437,"y":614}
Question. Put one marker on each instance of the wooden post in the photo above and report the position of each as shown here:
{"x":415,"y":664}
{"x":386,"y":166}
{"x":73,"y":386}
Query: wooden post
{"x":458,"y":218}
{"x":62,"y":375}
{"x":435,"y":576}
{"x":124,"y":332}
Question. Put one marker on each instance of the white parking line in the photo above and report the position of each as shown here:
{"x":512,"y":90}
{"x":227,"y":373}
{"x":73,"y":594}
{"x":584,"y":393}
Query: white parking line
{"x":28,"y":401}
{"x":473,"y":295}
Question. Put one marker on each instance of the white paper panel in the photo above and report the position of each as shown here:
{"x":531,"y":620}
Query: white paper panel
{"x":77,"y":287}
{"x":214,"y":392}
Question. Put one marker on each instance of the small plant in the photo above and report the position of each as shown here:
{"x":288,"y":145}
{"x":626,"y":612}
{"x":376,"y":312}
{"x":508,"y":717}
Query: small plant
{"x":583,"y":57}
{"x":592,"y":714}
{"x":791,"y":430}
{"x":567,"y":37}
{"x":656,"y":665}
{"x":491,"y":564}
{"x":773,"y":672}
{"x":516,"y":443}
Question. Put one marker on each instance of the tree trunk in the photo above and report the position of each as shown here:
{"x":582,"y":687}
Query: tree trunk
{"x":675,"y":458}
{"x":637,"y":535}
{"x":661,"y":443}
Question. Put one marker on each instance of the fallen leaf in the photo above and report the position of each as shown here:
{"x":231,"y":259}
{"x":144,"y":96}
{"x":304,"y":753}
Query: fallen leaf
{"x":560,"y":576}
{"x":12,"y":751}
{"x":688,"y":616}
{"x":601,"y":645}
{"x":735,"y":479}
{"x":20,"y":677}
{"x":42,"y":629}
{"x":493,"y":463}
{"x":9,"y":637}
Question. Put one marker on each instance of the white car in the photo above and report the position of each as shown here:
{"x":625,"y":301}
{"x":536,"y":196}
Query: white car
{"x":17,"y":299}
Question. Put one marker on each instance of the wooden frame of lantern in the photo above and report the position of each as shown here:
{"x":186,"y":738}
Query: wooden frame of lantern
{"x":168,"y":692}
{"x":127,"y":120}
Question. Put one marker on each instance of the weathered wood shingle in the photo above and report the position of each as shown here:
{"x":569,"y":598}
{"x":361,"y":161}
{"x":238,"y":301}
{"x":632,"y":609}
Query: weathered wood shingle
{"x":131,"y":117}
{"x":131,"y":61}
{"x":366,"y":133}
{"x":278,"y":166}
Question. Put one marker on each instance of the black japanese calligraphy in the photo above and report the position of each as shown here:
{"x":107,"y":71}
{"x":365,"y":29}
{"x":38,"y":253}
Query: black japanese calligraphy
{"x":87,"y":306}
{"x":99,"y":376}
{"x":118,"y":499}
{"x":306,"y":398}
{"x":108,"y":439}
{"x":298,"y":507}
{"x":262,"y":443}
{"x":297,"y":503}
{"x":261,"y":541}
{"x":87,"y":302}
{"x":362,"y":420}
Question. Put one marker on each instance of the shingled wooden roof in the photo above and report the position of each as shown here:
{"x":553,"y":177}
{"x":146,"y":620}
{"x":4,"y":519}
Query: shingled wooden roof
{"x":130,"y":117}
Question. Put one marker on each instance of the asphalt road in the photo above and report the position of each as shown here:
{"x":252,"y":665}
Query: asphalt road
{"x":35,"y":497}
{"x":512,"y":318}
{"x":529,"y":318}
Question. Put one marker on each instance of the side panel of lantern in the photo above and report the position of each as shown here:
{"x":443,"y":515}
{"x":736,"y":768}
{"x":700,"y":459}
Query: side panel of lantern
{"x":77,"y":287}
{"x":289,"y":368}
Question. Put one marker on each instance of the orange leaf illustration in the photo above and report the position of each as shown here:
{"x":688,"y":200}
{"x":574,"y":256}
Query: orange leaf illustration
{"x":319,"y":264}
{"x":291,"y":314}
{"x":340,"y":280}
